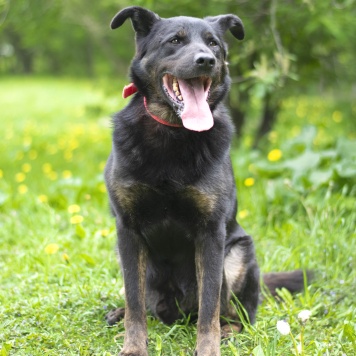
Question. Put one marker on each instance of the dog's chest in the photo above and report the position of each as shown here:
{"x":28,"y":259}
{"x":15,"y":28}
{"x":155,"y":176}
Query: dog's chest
{"x":145,"y":204}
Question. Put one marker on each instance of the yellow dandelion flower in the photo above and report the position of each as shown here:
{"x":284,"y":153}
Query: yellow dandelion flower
{"x":1,"y":173}
{"x":337,"y":116}
{"x":76,"y":219}
{"x":249,"y":182}
{"x":47,"y":168}
{"x":243,"y":214}
{"x":43,"y":198}
{"x":73,"y":144}
{"x":102,"y":188}
{"x":79,"y":130}
{"x":51,"y":249}
{"x":22,"y":189}
{"x":20,"y":177}
{"x":26,"y":167}
{"x":65,"y":257}
{"x":67,"y":174}
{"x":274,"y":155}
{"x":74,"y":208}
{"x":104,"y":232}
{"x":32,"y":155}
{"x":87,"y":196}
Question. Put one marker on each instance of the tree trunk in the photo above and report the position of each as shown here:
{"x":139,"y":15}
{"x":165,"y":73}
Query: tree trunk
{"x":24,"y":56}
{"x":268,"y":118}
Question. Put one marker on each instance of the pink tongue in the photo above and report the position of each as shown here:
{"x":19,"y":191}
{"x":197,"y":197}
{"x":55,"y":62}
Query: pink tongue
{"x":196,"y":114}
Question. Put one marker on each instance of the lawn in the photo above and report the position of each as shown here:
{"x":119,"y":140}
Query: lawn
{"x":58,"y":271}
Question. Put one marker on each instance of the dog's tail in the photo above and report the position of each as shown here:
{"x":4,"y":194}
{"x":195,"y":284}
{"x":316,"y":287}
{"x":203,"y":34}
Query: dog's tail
{"x":293,"y":281}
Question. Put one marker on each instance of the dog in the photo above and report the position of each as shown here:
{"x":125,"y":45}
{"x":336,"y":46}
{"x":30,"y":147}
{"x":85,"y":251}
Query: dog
{"x":171,"y":185}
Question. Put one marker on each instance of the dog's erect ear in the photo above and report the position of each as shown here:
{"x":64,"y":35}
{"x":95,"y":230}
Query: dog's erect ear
{"x":142,"y":19}
{"x":228,"y":22}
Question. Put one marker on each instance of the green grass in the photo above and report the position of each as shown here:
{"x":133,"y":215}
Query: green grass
{"x":58,"y":271}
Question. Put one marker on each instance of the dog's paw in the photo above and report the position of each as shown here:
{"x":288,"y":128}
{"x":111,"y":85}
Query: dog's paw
{"x":207,"y":350}
{"x":229,"y":330}
{"x":115,"y":316}
{"x":207,"y":353}
{"x":123,"y":353}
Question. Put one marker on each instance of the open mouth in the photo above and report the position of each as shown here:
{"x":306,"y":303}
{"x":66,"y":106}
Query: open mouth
{"x":189,"y":100}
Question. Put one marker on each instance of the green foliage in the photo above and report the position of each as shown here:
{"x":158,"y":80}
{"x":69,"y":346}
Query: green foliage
{"x":288,"y":47}
{"x":309,"y":40}
{"x":58,"y":271}
{"x":310,"y":169}
{"x":60,"y":37}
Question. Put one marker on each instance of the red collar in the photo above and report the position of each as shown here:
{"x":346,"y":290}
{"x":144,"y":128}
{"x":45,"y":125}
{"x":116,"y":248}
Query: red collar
{"x":132,"y":89}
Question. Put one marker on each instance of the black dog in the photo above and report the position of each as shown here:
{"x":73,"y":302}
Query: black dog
{"x":171,"y":184}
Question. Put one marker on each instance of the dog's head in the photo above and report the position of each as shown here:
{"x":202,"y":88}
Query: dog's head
{"x":180,"y":64}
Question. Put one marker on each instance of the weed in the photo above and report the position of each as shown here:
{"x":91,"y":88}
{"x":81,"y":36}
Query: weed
{"x":58,"y":271}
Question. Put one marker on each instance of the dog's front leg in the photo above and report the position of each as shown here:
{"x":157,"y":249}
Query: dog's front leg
{"x":133,"y":263}
{"x":209,"y":257}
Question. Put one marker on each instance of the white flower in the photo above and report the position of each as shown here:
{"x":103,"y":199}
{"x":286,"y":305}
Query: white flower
{"x":304,"y":315}
{"x":299,"y":348}
{"x":283,"y":327}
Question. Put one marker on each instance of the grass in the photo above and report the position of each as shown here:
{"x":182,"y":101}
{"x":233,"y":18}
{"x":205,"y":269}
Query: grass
{"x":58,"y":272}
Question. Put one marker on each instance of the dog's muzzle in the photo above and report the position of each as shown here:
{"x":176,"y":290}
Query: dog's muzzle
{"x":189,"y":97}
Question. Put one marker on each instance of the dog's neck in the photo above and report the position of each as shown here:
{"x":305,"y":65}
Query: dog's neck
{"x":161,"y":121}
{"x":132,"y":89}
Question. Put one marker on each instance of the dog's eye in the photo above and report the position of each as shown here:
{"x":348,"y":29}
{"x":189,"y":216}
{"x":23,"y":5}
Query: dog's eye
{"x":175,"y":41}
{"x":213,"y":43}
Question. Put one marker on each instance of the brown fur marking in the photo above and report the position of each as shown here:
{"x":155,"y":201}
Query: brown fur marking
{"x":136,"y":326}
{"x":205,"y":202}
{"x":128,"y":195}
{"x":234,"y":270}
{"x":208,"y":336}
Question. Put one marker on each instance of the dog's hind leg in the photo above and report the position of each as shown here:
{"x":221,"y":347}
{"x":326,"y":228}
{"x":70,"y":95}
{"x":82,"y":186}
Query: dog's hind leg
{"x":240,"y":291}
{"x":115,"y":316}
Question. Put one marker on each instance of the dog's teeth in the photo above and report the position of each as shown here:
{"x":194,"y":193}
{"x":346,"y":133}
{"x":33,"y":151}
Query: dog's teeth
{"x":177,"y":101}
{"x":176,"y":90}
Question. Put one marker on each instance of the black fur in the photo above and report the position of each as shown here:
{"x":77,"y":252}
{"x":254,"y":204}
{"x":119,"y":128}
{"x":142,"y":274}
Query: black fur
{"x":172,"y":190}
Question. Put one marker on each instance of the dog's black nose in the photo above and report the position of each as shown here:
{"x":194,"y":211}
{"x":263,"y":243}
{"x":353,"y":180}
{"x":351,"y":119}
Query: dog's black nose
{"x":204,"y":60}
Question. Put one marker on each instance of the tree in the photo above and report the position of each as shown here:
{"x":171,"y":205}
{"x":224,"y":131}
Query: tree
{"x":291,"y":46}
